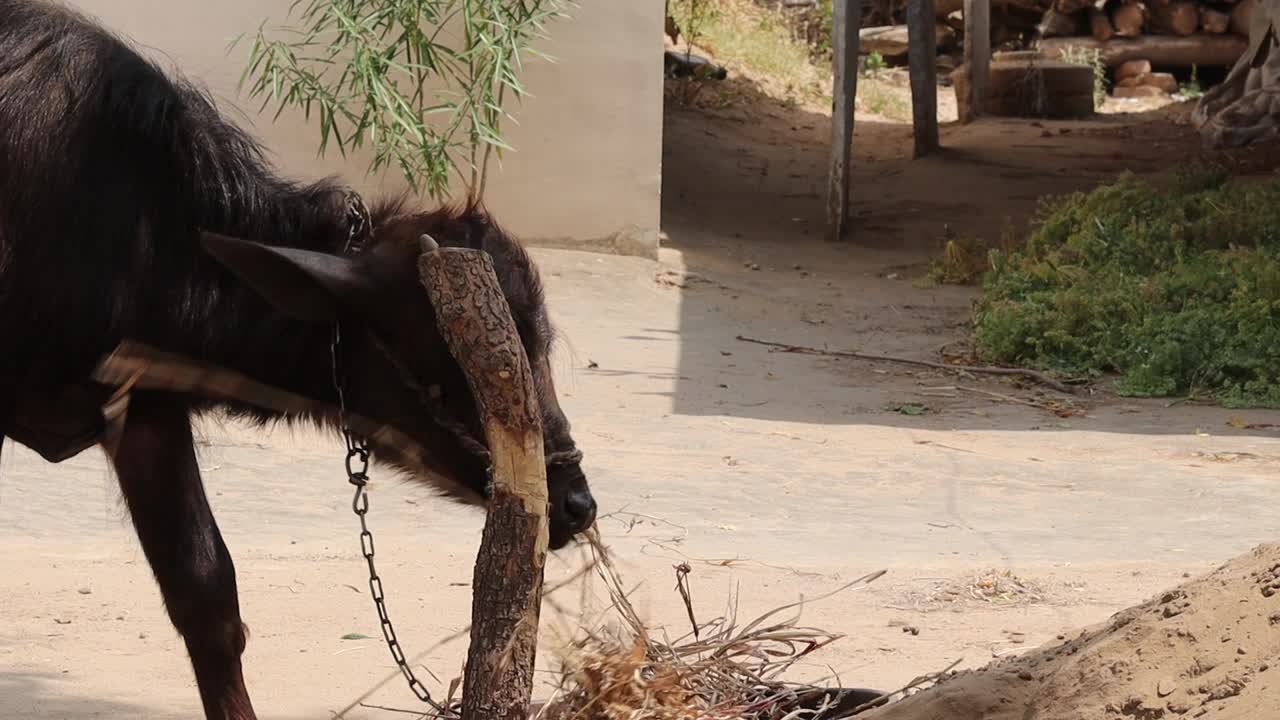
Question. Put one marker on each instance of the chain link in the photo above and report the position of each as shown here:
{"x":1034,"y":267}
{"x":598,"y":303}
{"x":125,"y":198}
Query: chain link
{"x":357,"y":463}
{"x":357,"y":467}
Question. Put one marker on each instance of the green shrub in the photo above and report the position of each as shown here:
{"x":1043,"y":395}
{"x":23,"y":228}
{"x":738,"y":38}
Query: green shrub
{"x":1177,"y":292}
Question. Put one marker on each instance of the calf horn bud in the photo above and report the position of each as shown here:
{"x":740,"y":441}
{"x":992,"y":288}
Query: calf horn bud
{"x":428,"y":243}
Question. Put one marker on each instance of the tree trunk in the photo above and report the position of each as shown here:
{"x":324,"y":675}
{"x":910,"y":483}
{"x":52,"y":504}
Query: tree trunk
{"x":1128,"y":19}
{"x":475,"y":321}
{"x":1178,"y":18}
{"x":1213,"y":20}
{"x":1100,"y":25}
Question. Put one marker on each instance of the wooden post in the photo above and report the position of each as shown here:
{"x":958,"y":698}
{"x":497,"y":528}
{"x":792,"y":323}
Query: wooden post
{"x":475,"y":321}
{"x":922,"y":59}
{"x":977,"y":55}
{"x":846,"y":16}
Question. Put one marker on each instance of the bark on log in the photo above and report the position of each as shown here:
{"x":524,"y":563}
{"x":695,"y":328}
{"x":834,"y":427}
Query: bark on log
{"x":1178,"y":18}
{"x":475,"y":321}
{"x":1158,"y":49}
{"x":1241,"y":15}
{"x":1128,"y":19}
{"x":1214,"y":21}
{"x":1100,"y":25}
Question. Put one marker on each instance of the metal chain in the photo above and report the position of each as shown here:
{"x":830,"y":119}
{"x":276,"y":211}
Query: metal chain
{"x":357,"y":466}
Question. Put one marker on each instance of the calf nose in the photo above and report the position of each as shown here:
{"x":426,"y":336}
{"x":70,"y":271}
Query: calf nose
{"x":581,"y":509}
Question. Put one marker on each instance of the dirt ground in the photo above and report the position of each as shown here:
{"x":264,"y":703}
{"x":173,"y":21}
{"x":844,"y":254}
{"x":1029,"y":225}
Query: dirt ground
{"x":1006,"y":514}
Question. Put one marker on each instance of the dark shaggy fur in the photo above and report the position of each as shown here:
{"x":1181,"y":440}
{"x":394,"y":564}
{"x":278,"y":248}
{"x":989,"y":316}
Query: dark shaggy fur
{"x":109,"y":173}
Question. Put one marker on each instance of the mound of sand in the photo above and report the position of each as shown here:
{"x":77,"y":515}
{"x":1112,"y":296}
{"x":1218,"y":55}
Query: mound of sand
{"x":1209,"y":648}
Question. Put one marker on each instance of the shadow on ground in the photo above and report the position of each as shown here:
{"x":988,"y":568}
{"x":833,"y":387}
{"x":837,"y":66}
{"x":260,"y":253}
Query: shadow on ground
{"x":743,"y":208}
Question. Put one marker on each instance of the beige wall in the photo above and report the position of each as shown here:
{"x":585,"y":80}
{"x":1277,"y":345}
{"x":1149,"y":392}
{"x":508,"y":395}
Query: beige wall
{"x":586,"y":168}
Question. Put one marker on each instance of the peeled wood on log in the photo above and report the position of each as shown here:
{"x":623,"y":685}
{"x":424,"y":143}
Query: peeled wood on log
{"x":1128,"y":19}
{"x":1214,"y":21}
{"x":1178,"y":18}
{"x":473,"y":317}
{"x":1100,"y":25}
{"x":1168,"y":50}
{"x":1241,"y":15}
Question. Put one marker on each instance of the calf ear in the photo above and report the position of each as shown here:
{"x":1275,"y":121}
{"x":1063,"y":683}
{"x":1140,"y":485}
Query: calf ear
{"x":309,"y":285}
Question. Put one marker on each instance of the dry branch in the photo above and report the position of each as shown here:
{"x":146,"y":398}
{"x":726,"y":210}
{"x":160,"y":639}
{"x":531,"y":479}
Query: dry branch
{"x":475,"y":321}
{"x":1033,"y":375}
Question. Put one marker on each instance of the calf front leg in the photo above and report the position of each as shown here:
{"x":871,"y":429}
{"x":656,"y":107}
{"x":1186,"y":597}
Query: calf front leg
{"x":156,"y":464}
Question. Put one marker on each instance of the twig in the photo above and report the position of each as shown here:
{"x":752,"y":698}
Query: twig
{"x":1027,"y":373}
{"x":1010,"y":398}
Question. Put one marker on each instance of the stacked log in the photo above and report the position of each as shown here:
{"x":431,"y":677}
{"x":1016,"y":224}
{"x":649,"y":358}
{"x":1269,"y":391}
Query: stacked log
{"x":1176,"y":33}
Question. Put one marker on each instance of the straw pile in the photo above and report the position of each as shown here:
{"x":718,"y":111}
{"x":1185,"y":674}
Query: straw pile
{"x":719,"y":670}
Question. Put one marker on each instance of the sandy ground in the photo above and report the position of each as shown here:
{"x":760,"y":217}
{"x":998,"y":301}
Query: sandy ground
{"x":774,"y":475}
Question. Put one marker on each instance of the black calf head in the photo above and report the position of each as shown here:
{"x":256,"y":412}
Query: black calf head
{"x":398,"y":370}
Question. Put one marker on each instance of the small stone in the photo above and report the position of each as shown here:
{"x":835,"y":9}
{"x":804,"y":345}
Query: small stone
{"x":1025,"y":675}
{"x":911,"y":629}
{"x":142,"y":636}
{"x":85,"y":591}
{"x":1165,"y":687}
{"x":1241,"y":651}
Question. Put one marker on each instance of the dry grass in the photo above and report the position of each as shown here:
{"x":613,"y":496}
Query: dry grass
{"x":720,"y":670}
{"x":754,"y":42}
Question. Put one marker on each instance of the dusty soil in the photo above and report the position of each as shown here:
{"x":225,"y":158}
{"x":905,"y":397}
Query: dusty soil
{"x":1005,"y":513}
{"x":1207,"y":648}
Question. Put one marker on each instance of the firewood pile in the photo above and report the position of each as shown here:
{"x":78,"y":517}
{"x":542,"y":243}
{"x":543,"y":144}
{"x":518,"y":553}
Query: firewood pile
{"x":1138,"y":34}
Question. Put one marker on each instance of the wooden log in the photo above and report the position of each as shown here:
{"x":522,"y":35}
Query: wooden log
{"x":1213,"y":20}
{"x":923,"y":71}
{"x":1070,"y":7}
{"x":893,"y":41}
{"x":475,"y":321}
{"x":1057,"y":24}
{"x":1128,"y":19}
{"x":1100,"y":25}
{"x":1165,"y":81}
{"x":977,"y":58}
{"x":1176,"y":18}
{"x":1170,"y":50}
{"x":845,"y":17}
{"x":943,"y":8}
{"x":1132,"y":69}
{"x":1241,"y":15}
